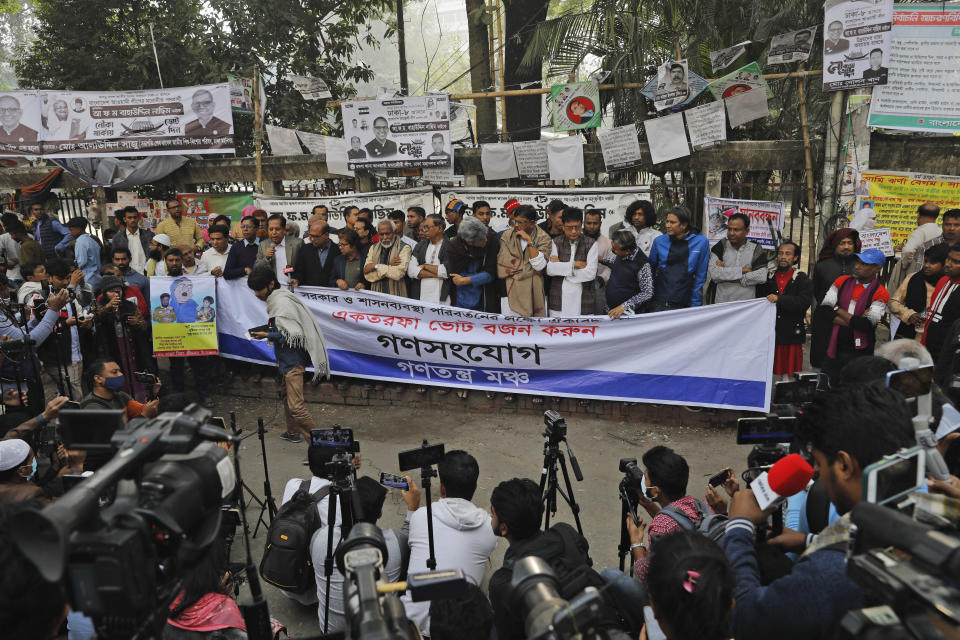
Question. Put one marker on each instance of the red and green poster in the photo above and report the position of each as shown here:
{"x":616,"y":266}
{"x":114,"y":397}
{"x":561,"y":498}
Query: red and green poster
{"x":201,"y":205}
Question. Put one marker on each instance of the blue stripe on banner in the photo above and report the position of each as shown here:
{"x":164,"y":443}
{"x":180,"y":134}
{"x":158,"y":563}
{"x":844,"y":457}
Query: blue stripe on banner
{"x":601,"y":384}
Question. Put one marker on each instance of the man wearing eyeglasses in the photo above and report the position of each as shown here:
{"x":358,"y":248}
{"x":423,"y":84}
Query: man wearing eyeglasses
{"x":13,"y":133}
{"x":314,"y":262}
{"x":206,"y":124}
{"x":180,"y":230}
{"x":380,"y":146}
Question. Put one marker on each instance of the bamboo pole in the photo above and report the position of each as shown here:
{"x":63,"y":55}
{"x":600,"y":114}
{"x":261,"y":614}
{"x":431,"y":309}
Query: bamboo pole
{"x":808,"y":161}
{"x":503,"y":84}
{"x":603,"y":87}
{"x":257,"y":126}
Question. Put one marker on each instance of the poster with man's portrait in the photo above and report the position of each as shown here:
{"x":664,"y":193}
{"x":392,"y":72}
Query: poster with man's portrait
{"x":791,"y":47}
{"x":183,"y":315}
{"x":575,"y":106}
{"x":673,"y":84}
{"x":856,"y":43}
{"x":20,"y":123}
{"x":398,"y":133}
{"x":136,"y":123}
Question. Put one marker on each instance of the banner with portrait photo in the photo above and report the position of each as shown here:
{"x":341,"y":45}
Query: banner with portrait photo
{"x":672,"y":84}
{"x":136,"y":123}
{"x":746,"y":78}
{"x":381,"y":203}
{"x":21,"y":120}
{"x":856,"y":43}
{"x":791,"y":47}
{"x":695,"y":84}
{"x":766,"y":219}
{"x":241,"y":94}
{"x":375,"y":336}
{"x":398,"y":133}
{"x":575,"y":106}
{"x":183,"y":315}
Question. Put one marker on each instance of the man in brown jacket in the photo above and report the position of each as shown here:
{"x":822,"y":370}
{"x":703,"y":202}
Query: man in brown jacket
{"x":524,"y":250}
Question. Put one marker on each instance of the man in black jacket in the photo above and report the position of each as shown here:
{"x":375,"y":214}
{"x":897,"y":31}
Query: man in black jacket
{"x":315,"y":261}
{"x":791,"y":290}
{"x":836,"y":259}
{"x":516,"y":509}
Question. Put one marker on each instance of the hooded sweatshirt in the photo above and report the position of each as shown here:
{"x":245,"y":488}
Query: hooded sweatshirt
{"x":462,"y":539}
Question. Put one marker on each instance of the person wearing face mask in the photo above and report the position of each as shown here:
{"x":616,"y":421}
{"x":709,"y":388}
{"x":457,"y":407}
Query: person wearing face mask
{"x":18,"y":470}
{"x":386,"y":264}
{"x":107,"y":382}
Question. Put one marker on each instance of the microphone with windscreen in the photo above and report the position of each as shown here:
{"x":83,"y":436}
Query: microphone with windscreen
{"x":788,"y":476}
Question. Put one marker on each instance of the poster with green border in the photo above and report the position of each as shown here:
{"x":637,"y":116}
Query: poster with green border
{"x":575,"y":106}
{"x":746,"y":78}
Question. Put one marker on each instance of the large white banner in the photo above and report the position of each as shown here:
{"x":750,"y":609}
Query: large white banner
{"x":136,"y":123}
{"x":398,"y":132}
{"x":377,"y":336}
{"x":856,"y":43}
{"x":922,"y":93}
{"x":380,"y":203}
{"x":611,"y":202}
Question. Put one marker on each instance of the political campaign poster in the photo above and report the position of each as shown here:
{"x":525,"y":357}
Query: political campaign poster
{"x":746,"y":78}
{"x":22,"y":119}
{"x":707,"y":125}
{"x":791,"y":47}
{"x":398,"y":132}
{"x":183,"y":314}
{"x":924,"y":37}
{"x":695,"y":83}
{"x":896,"y":196}
{"x":575,"y":106}
{"x":766,"y":219}
{"x":201,"y":205}
{"x":241,"y":94}
{"x":380,"y":203}
{"x":877,"y":239}
{"x":726,"y":362}
{"x":610,"y":202}
{"x":136,"y":123}
{"x":620,"y":147}
{"x":720,"y":60}
{"x":672,"y":84}
{"x":856,"y":43}
{"x":311,"y":88}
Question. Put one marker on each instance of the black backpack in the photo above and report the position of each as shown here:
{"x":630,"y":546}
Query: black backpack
{"x":286,"y":561}
{"x":712,"y":525}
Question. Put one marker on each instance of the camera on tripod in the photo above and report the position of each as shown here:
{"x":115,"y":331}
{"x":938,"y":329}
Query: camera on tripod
{"x":556,"y":425}
{"x":344,"y":446}
{"x":123,"y":560}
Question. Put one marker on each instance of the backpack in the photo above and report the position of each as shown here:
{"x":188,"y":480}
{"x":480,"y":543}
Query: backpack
{"x":712,"y":525}
{"x":575,"y":572}
{"x":286,"y":562}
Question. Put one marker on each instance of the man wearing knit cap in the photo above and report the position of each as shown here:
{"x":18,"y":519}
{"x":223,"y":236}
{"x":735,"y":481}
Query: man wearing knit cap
{"x":509,"y":208}
{"x":454,"y":214}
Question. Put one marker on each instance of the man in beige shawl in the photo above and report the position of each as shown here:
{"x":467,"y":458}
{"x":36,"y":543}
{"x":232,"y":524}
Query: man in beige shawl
{"x":521,"y":263}
{"x":387,"y":261}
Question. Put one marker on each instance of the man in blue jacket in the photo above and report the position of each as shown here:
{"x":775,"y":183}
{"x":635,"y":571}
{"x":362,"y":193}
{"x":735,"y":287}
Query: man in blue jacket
{"x":845,"y":431}
{"x":680,"y":259}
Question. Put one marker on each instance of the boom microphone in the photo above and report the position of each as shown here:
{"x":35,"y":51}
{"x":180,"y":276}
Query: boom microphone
{"x":788,"y":476}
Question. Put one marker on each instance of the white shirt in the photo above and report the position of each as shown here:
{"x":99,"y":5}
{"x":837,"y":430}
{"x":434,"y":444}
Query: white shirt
{"x":864,"y":220}
{"x":919,"y":237}
{"x":11,"y":251}
{"x":573,"y":280}
{"x":645,"y":237}
{"x":430,"y":287}
{"x":280,"y":257}
{"x":198,"y":268}
{"x":138,"y":261}
{"x":214,"y":258}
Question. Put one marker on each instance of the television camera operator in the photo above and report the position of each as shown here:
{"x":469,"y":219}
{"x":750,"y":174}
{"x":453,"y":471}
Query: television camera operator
{"x":63,"y":354}
{"x":846,"y":430}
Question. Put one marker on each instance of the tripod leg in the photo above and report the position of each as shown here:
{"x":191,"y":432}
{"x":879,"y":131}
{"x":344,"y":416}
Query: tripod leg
{"x":574,"y":507}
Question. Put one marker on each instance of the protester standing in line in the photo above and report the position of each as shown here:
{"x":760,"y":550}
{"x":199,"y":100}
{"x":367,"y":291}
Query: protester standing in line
{"x":631,"y":279}
{"x":454,"y":213}
{"x":348,"y":266}
{"x":857,"y":303}
{"x":134,"y":238}
{"x":553,"y":225}
{"x":911,"y":301}
{"x":315,"y":260}
{"x":180,"y":230}
{"x":120,"y":258}
{"x":216,"y":256}
{"x":278,"y":251}
{"x":737,"y":265}
{"x":386,"y":265}
{"x":679,"y":259}
{"x":524,"y":249}
{"x":573,"y":263}
{"x":243,"y":252}
{"x":792,"y":291}
{"x":51,"y":235}
{"x":641,"y":219}
{"x":297,"y":343}
{"x":592,"y":220}
{"x":428,"y":269}
{"x":837,"y":258}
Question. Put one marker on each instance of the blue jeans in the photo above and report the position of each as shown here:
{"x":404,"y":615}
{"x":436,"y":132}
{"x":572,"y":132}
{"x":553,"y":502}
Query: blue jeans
{"x":629,"y":595}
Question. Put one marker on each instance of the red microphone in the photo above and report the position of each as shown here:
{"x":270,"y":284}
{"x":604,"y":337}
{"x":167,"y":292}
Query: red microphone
{"x":788,"y":476}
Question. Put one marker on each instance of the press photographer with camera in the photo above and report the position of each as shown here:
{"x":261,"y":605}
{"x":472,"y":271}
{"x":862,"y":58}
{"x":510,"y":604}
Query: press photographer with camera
{"x":63,"y":354}
{"x":846,"y":429}
{"x":516,"y":511}
{"x":121,"y":328}
{"x":463,"y":536}
{"x":18,"y":458}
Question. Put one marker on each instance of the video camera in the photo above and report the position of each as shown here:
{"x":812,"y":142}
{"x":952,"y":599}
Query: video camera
{"x":373,"y":609}
{"x":556,"y":425}
{"x":344,"y":447}
{"x":123,"y":558}
{"x":913,"y":586}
